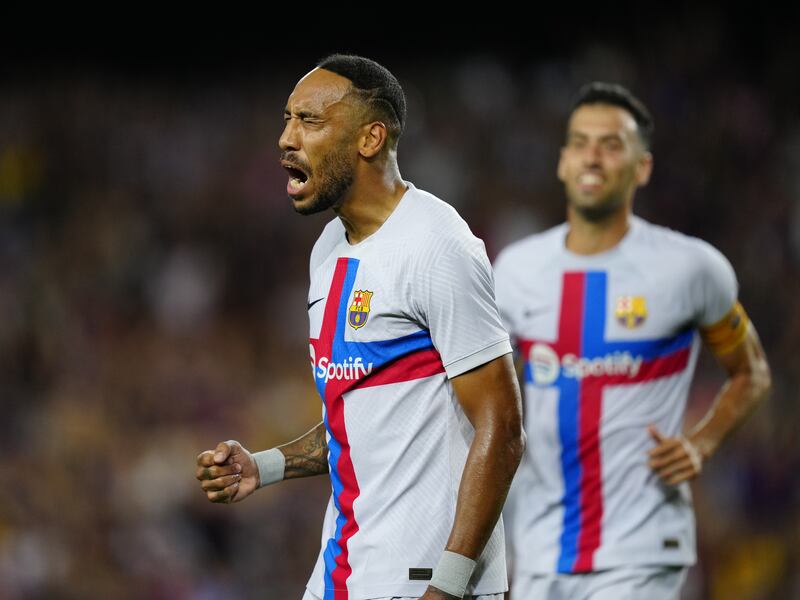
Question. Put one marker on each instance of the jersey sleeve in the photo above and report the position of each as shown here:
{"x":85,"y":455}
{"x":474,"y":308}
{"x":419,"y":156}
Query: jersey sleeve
{"x":717,"y":288}
{"x":455,"y":301}
{"x":504,"y":290}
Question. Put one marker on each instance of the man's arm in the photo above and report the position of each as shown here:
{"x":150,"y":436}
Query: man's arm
{"x":749,"y":383}
{"x":490,"y":398}
{"x":230,"y":472}
{"x":307,"y":455}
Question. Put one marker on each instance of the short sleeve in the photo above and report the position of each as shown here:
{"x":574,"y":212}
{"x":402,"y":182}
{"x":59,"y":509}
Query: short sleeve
{"x":717,"y":285}
{"x":504,"y":290}
{"x":455,"y":301}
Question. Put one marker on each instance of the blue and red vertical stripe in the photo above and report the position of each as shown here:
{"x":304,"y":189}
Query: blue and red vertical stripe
{"x":581,"y":333}
{"x":401,"y":359}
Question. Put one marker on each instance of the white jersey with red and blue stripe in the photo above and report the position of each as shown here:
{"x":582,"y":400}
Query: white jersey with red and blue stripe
{"x":392,"y":319}
{"x":609,"y":343}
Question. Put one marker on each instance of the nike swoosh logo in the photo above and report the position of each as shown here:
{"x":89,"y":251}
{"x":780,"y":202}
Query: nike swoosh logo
{"x":310,"y":304}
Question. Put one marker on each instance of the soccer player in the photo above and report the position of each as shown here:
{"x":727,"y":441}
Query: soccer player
{"x":605,"y":310}
{"x":422,"y":416}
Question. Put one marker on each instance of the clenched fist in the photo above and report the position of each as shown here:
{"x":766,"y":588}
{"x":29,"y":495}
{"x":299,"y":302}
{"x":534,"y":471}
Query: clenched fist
{"x":228,"y":473}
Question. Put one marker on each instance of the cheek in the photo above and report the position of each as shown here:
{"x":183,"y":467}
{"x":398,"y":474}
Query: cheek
{"x":562,"y":169}
{"x":616,"y":165}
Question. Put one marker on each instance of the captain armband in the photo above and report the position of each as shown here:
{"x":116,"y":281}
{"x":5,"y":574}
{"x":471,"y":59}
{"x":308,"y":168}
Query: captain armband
{"x":271,"y":466}
{"x":726,"y":334}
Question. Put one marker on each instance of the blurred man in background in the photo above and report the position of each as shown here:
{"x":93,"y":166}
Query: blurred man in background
{"x":605,"y":309}
{"x":421,"y":429}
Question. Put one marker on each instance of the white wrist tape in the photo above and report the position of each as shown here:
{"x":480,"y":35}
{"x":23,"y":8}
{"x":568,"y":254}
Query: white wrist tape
{"x":453,"y":573}
{"x":271,"y":466}
{"x":693,"y":452}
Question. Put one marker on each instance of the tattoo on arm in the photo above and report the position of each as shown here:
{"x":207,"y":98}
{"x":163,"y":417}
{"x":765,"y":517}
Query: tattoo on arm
{"x":307,"y":455}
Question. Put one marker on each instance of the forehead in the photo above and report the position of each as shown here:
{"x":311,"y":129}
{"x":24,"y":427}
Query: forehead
{"x":602,"y":119}
{"x":318,"y":91}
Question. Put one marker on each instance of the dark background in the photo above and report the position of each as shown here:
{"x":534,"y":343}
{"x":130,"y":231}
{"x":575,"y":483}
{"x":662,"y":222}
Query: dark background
{"x":153,"y":274}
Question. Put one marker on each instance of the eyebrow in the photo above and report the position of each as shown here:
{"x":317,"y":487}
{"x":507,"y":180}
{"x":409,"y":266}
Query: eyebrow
{"x":608,"y":136}
{"x":303,"y":114}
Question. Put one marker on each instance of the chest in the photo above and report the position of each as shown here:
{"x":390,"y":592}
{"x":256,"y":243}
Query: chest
{"x":597,"y":305}
{"x":361,"y":298}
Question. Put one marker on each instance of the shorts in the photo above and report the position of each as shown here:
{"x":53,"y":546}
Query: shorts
{"x":624,"y":583}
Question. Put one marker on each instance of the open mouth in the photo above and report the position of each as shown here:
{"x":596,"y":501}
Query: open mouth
{"x":297,"y":178}
{"x":590,"y":181}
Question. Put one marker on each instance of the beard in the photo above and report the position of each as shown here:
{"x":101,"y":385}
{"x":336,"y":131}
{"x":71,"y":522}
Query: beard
{"x":335,"y":175}
{"x":599,"y":212}
{"x":600,"y":208}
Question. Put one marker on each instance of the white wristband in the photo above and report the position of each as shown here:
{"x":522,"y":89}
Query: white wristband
{"x":271,"y":466}
{"x":453,"y":573}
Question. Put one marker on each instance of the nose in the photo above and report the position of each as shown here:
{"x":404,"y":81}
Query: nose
{"x":289,"y":139}
{"x":591,"y":154}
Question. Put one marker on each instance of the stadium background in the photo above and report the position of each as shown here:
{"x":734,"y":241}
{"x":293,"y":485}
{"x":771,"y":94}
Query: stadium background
{"x":153,"y":278}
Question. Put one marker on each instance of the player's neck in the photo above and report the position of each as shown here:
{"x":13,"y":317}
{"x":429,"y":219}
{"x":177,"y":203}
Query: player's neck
{"x":593,"y":237}
{"x":372,"y":198}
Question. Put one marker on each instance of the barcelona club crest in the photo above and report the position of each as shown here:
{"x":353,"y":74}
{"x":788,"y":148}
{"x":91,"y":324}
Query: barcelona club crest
{"x":359,"y":309}
{"x":631,"y":311}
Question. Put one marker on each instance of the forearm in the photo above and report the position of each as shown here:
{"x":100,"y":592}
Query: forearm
{"x":491,"y":463}
{"x":735,"y":402}
{"x":307,"y":455}
{"x":736,"y":346}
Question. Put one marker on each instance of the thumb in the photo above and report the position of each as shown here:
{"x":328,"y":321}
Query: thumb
{"x":655,"y":434}
{"x":223,"y":450}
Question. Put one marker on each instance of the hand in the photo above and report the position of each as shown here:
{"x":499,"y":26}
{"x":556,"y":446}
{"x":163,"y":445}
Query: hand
{"x":674,"y":459}
{"x":433,"y":593}
{"x":228,"y":473}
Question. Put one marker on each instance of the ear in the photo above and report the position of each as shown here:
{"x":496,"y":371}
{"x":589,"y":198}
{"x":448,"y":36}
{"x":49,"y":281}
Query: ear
{"x":644,"y":168}
{"x":373,"y":139}
{"x":562,"y":167}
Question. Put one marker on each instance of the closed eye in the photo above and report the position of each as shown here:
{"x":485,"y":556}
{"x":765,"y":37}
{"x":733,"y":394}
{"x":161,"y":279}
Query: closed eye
{"x":305,"y":116}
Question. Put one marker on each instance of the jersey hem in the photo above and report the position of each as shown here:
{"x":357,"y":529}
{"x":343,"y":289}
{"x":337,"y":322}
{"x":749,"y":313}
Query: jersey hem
{"x":403,"y":589}
{"x":642,"y":561}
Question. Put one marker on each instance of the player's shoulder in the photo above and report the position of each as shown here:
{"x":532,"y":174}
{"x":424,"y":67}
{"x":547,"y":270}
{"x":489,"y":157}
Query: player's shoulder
{"x":435,"y":225}
{"x":665,"y":242}
{"x":533,"y":249}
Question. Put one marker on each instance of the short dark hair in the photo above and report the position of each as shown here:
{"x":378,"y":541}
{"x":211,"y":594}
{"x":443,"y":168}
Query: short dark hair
{"x":600,"y":92}
{"x":375,"y":85}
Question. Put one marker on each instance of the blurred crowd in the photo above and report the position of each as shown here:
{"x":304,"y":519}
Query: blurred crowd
{"x":153,"y":285}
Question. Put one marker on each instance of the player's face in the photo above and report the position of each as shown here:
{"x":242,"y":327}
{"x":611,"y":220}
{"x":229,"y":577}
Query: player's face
{"x":318,"y":146}
{"x":603,"y":161}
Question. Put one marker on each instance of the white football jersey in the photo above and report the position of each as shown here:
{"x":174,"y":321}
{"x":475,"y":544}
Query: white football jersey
{"x":393,"y":318}
{"x":609,"y":346}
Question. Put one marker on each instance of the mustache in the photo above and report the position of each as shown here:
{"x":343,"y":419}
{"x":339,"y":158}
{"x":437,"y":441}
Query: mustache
{"x":293,"y":158}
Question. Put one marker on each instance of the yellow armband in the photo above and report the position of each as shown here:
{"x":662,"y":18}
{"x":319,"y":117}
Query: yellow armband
{"x":726,"y":334}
